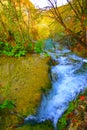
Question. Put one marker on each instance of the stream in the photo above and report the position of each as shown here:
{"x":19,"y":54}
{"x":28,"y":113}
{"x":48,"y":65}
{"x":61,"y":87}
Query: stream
{"x":69,"y":78}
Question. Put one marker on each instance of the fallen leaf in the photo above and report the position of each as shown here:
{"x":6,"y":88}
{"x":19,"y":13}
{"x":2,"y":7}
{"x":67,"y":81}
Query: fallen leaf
{"x":82,"y":98}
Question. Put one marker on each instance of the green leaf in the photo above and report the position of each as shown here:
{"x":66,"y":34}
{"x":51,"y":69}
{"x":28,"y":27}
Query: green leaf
{"x":7,"y":104}
{"x":85,"y":22}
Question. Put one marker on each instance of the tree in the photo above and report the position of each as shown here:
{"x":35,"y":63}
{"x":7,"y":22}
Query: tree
{"x":74,"y":12}
{"x":16,"y":18}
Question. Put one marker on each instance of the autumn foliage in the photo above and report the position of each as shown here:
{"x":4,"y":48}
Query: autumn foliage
{"x":72,"y":17}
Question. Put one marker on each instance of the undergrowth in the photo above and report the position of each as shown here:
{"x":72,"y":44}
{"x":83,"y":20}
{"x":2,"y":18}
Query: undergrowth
{"x":19,"y":49}
{"x":9,"y":104}
{"x":69,"y":113}
{"x":64,"y":119}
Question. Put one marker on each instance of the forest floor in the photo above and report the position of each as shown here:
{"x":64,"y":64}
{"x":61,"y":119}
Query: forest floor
{"x":77,"y":119}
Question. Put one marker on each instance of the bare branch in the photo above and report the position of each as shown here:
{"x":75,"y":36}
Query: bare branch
{"x":77,"y":9}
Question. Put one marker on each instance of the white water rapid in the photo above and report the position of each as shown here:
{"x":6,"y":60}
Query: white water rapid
{"x":69,"y":78}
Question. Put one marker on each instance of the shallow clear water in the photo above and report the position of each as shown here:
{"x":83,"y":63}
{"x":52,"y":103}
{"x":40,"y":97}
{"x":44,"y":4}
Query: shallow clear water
{"x":69,"y":78}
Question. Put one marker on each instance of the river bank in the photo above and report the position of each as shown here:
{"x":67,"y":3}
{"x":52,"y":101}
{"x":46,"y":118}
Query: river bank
{"x":75,"y":117}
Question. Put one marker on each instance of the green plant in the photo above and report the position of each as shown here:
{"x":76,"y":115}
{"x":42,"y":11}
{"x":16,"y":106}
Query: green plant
{"x":37,"y":50}
{"x":46,"y":54}
{"x":69,"y":112}
{"x":38,"y":46}
{"x":15,"y":25}
{"x":19,"y":50}
{"x":29,"y":47}
{"x":1,"y":47}
{"x":8,"y":50}
{"x":7,"y":104}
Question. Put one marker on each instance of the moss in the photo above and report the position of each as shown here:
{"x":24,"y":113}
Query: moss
{"x":47,"y":125}
{"x":22,"y":80}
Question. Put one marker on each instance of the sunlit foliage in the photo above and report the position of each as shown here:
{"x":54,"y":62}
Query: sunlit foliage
{"x":72,"y":17}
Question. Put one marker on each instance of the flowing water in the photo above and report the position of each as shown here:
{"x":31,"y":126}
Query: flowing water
{"x":69,"y":78}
